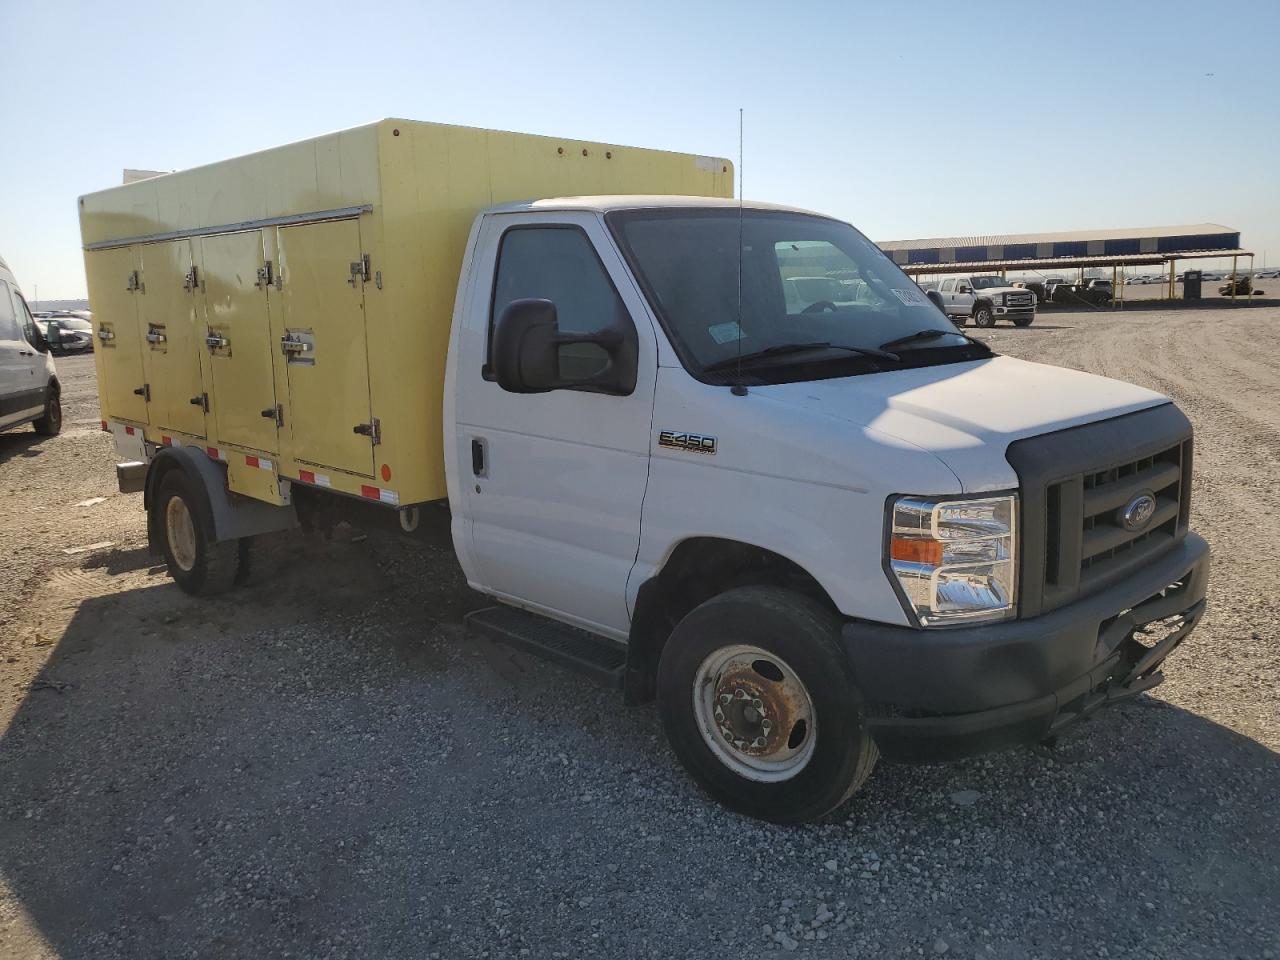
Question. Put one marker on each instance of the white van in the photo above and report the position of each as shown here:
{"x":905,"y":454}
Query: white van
{"x":29,"y":390}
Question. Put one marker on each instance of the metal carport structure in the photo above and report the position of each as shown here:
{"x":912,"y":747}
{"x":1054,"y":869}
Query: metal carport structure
{"x":1141,"y":246}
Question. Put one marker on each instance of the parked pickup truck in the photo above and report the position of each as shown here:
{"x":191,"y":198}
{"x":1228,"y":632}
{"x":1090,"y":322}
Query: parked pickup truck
{"x":818,"y":527}
{"x":985,"y":299}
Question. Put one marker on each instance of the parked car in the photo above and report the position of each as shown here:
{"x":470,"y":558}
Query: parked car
{"x":985,"y":299}
{"x":29,"y":390}
{"x":68,"y":333}
{"x":1097,"y":291}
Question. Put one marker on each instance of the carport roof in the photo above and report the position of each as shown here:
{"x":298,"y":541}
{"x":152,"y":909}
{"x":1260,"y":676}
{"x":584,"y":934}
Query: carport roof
{"x":1070,"y":248}
{"x":1061,"y":263}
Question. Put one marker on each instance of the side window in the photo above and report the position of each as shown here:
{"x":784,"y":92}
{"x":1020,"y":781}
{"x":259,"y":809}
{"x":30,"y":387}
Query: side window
{"x":25,"y":321}
{"x":9,"y":329}
{"x":948,"y":286}
{"x":558,"y":264}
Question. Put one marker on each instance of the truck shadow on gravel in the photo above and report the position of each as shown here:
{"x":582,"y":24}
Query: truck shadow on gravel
{"x":326,"y":763}
{"x":20,"y":444}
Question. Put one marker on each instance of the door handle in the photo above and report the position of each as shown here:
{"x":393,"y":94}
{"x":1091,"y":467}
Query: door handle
{"x":201,"y":401}
{"x":479,"y":456}
{"x":25,"y":353}
{"x":275,"y":413}
{"x":144,"y":392}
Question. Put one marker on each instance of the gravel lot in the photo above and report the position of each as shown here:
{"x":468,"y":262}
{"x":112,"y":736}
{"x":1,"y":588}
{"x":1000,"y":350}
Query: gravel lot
{"x":324,"y":764}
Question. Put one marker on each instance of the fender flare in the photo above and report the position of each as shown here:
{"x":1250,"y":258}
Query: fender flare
{"x":227,"y":515}
{"x":983,"y":302}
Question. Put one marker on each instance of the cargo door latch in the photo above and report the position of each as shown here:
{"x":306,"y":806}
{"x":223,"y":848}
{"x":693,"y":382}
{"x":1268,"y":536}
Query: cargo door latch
{"x":144,"y":392}
{"x":372,"y":430}
{"x":360,"y":270}
{"x":275,"y":413}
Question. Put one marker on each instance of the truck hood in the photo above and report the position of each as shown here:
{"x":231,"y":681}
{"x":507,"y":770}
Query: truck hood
{"x":967,"y":414}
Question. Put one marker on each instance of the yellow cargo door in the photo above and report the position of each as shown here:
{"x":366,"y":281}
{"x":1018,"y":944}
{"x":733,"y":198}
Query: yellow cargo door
{"x":173,"y":340}
{"x":322,"y":303}
{"x":237,"y":340}
{"x":115,"y":279}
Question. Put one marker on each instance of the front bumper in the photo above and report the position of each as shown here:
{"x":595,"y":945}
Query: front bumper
{"x":1015,"y":312}
{"x":948,"y":693}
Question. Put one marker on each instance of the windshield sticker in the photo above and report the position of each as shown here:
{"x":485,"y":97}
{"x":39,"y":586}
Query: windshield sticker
{"x":909,"y":298}
{"x":726,"y":332}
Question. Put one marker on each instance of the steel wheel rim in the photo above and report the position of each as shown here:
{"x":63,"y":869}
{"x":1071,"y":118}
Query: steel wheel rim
{"x":754,"y":713}
{"x":180,"y":532}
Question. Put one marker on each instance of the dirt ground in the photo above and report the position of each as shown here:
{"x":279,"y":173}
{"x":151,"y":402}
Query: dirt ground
{"x":325,"y":764}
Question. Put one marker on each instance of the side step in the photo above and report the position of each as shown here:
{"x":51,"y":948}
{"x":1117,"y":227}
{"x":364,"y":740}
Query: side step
{"x":580,"y":651}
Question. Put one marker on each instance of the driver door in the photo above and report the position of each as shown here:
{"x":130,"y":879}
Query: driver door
{"x":554,"y":482}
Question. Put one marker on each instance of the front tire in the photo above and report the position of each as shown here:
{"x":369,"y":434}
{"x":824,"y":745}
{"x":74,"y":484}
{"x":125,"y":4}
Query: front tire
{"x":50,"y":425}
{"x":199,"y":564}
{"x":760,"y":705}
{"x":983,"y":317}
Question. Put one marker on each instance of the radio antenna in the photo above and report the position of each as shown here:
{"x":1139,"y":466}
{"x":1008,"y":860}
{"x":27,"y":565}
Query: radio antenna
{"x":739,"y":388}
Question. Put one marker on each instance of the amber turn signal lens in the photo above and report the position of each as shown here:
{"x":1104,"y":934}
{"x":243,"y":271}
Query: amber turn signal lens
{"x":917,"y":550}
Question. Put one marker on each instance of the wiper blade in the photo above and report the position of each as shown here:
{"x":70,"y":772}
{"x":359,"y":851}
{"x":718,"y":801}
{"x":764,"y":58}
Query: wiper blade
{"x":785,"y":348}
{"x":930,"y":334}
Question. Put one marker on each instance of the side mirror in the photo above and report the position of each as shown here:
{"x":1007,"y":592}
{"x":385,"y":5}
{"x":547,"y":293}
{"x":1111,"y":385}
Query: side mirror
{"x":527,"y":343}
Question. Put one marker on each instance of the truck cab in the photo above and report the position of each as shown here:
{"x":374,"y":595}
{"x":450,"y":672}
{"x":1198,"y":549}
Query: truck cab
{"x":633,"y":454}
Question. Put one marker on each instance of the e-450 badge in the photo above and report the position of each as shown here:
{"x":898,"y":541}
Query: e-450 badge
{"x":689,"y":442}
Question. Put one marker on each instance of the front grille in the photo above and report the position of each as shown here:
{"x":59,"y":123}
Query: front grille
{"x":1017,"y":300}
{"x":1074,"y":538}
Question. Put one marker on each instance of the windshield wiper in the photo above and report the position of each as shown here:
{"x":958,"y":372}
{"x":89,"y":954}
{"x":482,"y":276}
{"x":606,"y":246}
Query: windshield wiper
{"x":785,"y":348}
{"x":930,"y":334}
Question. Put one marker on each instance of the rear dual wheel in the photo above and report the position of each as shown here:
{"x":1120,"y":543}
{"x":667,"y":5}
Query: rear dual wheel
{"x":759,"y":703}
{"x":200,"y":564}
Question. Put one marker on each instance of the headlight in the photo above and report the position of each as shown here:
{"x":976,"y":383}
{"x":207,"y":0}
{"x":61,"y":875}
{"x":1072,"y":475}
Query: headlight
{"x":955,"y":559}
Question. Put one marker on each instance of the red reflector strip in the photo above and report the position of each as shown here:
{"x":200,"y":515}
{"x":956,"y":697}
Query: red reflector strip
{"x":167,"y":441}
{"x":371,"y":492}
{"x":129,"y":430}
{"x":306,"y":476}
{"x":251,"y":461}
{"x":105,"y":427}
{"x":214,"y":453}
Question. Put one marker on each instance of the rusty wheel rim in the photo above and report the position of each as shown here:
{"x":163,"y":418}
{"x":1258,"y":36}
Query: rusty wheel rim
{"x":754,"y":713}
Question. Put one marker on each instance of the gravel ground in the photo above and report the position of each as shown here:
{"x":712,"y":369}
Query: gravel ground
{"x":324,"y":764}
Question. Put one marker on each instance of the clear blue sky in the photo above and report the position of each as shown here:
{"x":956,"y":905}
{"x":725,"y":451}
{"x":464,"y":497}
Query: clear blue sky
{"x":910,"y":120}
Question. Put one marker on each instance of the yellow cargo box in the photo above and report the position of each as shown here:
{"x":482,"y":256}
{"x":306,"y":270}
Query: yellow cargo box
{"x":289,"y":310}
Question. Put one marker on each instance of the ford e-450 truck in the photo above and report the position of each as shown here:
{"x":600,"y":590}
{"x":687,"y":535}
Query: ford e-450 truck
{"x":721,"y":454}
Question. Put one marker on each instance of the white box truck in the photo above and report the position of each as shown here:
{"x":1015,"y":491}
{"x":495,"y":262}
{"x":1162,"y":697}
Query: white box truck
{"x":818,"y":531}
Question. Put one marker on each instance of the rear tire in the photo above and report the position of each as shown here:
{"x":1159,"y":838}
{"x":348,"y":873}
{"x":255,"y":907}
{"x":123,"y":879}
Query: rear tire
{"x":198,"y":563}
{"x":983,"y":317}
{"x":50,"y":425}
{"x":760,"y":705}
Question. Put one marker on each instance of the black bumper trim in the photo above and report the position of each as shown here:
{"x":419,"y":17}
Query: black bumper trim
{"x":947,"y":693}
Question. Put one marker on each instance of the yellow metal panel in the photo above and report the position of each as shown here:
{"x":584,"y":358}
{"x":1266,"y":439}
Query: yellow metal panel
{"x":115,"y":284}
{"x":234,"y":313}
{"x":172,"y":339}
{"x":322,"y":306}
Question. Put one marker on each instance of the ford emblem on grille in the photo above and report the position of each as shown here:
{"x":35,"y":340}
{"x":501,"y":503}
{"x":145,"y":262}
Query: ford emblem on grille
{"x":1137,"y":512}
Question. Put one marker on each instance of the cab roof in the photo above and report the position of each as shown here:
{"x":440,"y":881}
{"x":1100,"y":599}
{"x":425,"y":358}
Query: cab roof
{"x":610,"y":203}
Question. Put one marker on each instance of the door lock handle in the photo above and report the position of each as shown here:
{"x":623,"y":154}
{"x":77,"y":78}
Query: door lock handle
{"x":144,"y":392}
{"x":275,"y":413}
{"x":479,"y":457}
{"x":201,"y":401}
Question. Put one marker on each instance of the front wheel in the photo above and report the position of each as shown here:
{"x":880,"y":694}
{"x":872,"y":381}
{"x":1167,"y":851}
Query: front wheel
{"x":983,"y":317}
{"x":50,"y":425}
{"x":759,"y":703}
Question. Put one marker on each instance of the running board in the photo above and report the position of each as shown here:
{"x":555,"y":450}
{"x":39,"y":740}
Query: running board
{"x":595,"y":657}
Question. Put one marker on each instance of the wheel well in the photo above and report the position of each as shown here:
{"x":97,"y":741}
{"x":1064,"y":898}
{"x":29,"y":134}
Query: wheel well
{"x":55,"y":387}
{"x":984,"y":302}
{"x":697,"y":570}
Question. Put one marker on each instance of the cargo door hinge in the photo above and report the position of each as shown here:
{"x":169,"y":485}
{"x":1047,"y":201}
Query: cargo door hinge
{"x":267,"y":276}
{"x":360,"y":271}
{"x":192,"y":281}
{"x":372,"y":430}
{"x":135,"y":283}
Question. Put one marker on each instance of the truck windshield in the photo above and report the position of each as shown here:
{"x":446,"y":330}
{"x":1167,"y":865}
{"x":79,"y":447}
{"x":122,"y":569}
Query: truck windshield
{"x":985,"y":283}
{"x":804,"y":280}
